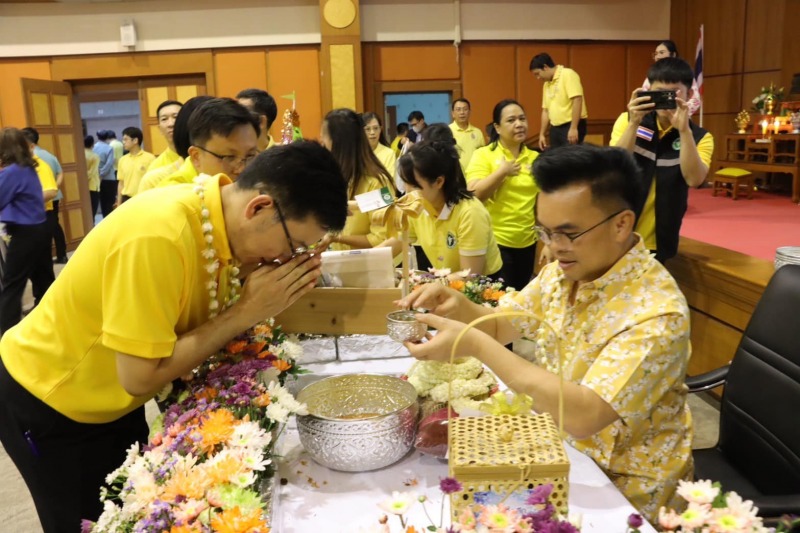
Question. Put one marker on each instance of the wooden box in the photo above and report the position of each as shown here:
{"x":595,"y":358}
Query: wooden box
{"x":504,"y":454}
{"x":340,"y":311}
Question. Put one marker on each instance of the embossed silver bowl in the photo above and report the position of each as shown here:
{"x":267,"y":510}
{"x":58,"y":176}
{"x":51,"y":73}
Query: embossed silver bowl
{"x":358,"y":422}
{"x":403,"y":327}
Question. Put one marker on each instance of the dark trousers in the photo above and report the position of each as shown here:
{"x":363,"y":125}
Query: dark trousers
{"x":94,"y":198}
{"x":108,"y":196}
{"x":558,"y":134}
{"x":63,"y":462}
{"x":517,"y":269}
{"x":58,"y":232}
{"x":28,"y":257}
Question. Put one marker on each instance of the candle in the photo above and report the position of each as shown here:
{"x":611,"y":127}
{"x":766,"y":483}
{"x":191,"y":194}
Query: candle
{"x":764,"y":124}
{"x":777,"y":125}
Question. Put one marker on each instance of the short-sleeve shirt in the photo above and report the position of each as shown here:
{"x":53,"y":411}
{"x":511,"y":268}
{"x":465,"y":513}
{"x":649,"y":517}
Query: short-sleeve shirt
{"x":361,"y":223}
{"x":626,"y":337}
{"x":387,"y":157}
{"x":21,"y":200}
{"x":468,"y":140}
{"x":558,"y":94}
{"x":185,"y":174}
{"x":461,"y":229}
{"x":131,"y":169}
{"x":165,"y":159}
{"x":52,"y":162}
{"x":134,"y":285}
{"x":646,"y":225}
{"x":47,"y":179}
{"x":92,"y":169}
{"x":511,"y":205}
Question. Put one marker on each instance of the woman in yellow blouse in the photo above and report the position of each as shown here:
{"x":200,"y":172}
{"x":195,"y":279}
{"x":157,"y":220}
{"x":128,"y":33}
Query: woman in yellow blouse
{"x":343,"y":134}
{"x":92,"y":172}
{"x":500,"y":175}
{"x":457,"y":234}
{"x":377,"y":141}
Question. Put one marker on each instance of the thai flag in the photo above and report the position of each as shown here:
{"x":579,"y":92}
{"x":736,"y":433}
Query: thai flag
{"x":645,"y":133}
{"x":698,"y":64}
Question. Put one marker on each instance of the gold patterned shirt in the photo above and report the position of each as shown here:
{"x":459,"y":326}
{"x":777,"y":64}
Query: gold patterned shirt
{"x":626,"y":337}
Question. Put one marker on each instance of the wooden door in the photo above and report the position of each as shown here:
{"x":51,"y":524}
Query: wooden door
{"x":153,"y":91}
{"x":51,"y":109}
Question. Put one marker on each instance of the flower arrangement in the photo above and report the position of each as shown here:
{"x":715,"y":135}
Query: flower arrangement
{"x":211,"y":448}
{"x":767,"y":99}
{"x":482,"y":290}
{"x":710,"y":510}
{"x":470,"y":384}
{"x":535,"y":514}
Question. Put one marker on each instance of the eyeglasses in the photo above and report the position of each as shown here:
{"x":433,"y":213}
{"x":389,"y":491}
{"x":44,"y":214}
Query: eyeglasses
{"x":372,"y":129}
{"x":548,"y":237}
{"x":231,"y":161}
{"x":300,"y":250}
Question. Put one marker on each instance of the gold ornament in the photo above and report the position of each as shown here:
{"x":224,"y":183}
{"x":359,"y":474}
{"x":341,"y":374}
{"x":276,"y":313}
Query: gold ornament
{"x":742,"y":120}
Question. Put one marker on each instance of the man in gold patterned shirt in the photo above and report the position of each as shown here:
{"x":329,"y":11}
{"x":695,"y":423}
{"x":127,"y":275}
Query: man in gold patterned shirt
{"x":622,"y":322}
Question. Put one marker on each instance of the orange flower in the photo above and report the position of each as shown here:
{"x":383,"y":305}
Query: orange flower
{"x":487,"y":293}
{"x":263,"y":400}
{"x":234,"y":521}
{"x":265,"y":353}
{"x":208,"y":394}
{"x":457,"y":284}
{"x":191,"y":483}
{"x":281,"y":365}
{"x":215,"y":429}
{"x":262,"y":329}
{"x":184,"y":529}
{"x":256,"y":347}
{"x":496,"y":295}
{"x":224,"y":470}
{"x":236,"y":346}
{"x":411,"y":529}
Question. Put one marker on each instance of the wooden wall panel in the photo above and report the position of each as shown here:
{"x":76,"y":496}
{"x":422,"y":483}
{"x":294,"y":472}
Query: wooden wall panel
{"x":417,"y":61}
{"x":12,"y":103}
{"x":296,"y":69}
{"x":763,"y":37}
{"x":488,"y":76}
{"x":719,"y":124}
{"x":713,"y":343}
{"x":791,"y":44}
{"x":752,"y":83}
{"x":678,"y":29}
{"x":239,"y":69}
{"x":724,"y":34}
{"x":603,"y":79}
{"x":723,"y":94}
{"x":638,"y":58}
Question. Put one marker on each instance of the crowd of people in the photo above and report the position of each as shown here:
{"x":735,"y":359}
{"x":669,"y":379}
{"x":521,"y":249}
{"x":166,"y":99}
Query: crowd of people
{"x":222,"y":230}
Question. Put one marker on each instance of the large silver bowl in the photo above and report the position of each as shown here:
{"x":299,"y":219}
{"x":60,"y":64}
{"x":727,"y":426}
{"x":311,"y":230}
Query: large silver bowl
{"x":358,"y":422}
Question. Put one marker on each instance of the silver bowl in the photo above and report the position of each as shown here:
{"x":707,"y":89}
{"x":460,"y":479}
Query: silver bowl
{"x":358,"y":422}
{"x":402,"y":326}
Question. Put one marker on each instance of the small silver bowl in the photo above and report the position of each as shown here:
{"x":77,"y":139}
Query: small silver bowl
{"x":358,"y":422}
{"x":402,"y":326}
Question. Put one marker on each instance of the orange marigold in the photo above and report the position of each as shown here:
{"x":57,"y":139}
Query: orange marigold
{"x":222,"y":471}
{"x":281,"y":365}
{"x":191,"y":483}
{"x":215,"y":429}
{"x":184,"y":529}
{"x":256,"y":347}
{"x":262,"y":329}
{"x":235,"y":521}
{"x":208,"y":394}
{"x":263,"y":400}
{"x":457,"y":284}
{"x":236,"y":346}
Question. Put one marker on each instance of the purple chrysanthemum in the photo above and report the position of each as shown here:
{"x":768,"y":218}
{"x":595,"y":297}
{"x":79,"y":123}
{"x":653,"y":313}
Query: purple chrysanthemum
{"x":635,"y":521}
{"x":450,"y":485}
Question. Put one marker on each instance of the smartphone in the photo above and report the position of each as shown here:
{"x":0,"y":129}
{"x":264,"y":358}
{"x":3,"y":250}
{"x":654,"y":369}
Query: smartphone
{"x":662,"y":99}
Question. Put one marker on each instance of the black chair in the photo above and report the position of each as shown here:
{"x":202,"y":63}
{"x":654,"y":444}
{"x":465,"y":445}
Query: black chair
{"x":758,"y":453}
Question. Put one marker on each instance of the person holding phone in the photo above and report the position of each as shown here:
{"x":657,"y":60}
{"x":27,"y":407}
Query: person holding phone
{"x":672,"y":152}
{"x":667,"y":48}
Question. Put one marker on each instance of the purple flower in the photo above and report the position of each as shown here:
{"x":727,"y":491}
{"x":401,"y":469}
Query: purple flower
{"x":450,"y":485}
{"x":86,"y":526}
{"x":540,"y":495}
{"x":635,"y":521}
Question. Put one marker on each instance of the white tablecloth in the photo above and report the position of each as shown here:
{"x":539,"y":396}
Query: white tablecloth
{"x":318,"y":499}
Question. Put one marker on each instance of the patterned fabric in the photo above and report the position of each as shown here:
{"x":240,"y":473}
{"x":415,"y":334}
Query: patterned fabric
{"x":626,"y":337}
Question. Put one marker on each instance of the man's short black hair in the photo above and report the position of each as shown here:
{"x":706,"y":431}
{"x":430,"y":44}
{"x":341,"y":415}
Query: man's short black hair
{"x":111,"y":134}
{"x":263,"y":103}
{"x":402,"y":128}
{"x":541,"y":60}
{"x":88,"y":141}
{"x":166,"y":103}
{"x":31,"y":134}
{"x":180,"y":133}
{"x":457,"y":100}
{"x":219,"y":116}
{"x":304,"y":179}
{"x":102,"y":135}
{"x":416,"y":115}
{"x":611,"y":173}
{"x":671,"y":70}
{"x":134,"y":133}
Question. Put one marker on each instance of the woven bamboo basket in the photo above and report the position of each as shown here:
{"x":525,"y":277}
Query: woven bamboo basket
{"x":505,"y":454}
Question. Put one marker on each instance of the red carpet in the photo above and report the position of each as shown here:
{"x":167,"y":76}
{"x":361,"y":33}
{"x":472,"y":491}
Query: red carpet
{"x":754,"y":227}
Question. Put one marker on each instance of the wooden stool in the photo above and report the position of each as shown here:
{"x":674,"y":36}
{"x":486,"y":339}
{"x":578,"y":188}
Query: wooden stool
{"x":735,"y":177}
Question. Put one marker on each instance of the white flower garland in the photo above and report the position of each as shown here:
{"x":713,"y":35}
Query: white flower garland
{"x":210,"y":254}
{"x":469,"y":380}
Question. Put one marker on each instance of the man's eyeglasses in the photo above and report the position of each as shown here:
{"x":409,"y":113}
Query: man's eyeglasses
{"x":231,"y":161}
{"x":300,"y":250}
{"x":548,"y":237}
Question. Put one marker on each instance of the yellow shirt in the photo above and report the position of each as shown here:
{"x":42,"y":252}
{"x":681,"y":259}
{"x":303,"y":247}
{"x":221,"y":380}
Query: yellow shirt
{"x":361,"y":223}
{"x":511,"y":205}
{"x":626,"y":337}
{"x":119,"y":150}
{"x":558,"y":94}
{"x":46,"y":178}
{"x":154,"y":177}
{"x":185,"y":174}
{"x":165,"y":159}
{"x":464,"y":229}
{"x":468,"y":140}
{"x":131,"y":169}
{"x":92,"y":169}
{"x":113,"y":302}
{"x":387,"y":158}
{"x":395,"y":146}
{"x":646,"y":225}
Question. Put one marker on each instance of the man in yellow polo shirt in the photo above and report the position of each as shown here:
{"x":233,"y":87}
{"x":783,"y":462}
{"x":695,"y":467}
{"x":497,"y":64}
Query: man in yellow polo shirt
{"x":563,"y":103}
{"x":133,"y":165}
{"x":468,"y":137}
{"x":167,"y":112}
{"x":673,"y":153}
{"x":261,"y":104}
{"x":149,"y":295}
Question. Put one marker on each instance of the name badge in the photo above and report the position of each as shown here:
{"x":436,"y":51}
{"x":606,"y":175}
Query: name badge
{"x":372,"y":200}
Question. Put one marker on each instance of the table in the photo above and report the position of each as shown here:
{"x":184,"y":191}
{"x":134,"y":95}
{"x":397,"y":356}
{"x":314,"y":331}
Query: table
{"x":319,"y":499}
{"x":780,"y":154}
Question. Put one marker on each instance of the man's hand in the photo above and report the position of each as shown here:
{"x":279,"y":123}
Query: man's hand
{"x":638,"y":107}
{"x":679,"y":117}
{"x":542,"y":142}
{"x":572,"y":135}
{"x":435,"y":297}
{"x":438,"y":347}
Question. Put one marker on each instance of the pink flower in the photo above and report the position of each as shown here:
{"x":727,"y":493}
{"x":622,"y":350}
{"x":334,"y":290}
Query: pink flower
{"x":499,"y":518}
{"x":669,"y":520}
{"x":698,"y":492}
{"x":695,"y":516}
